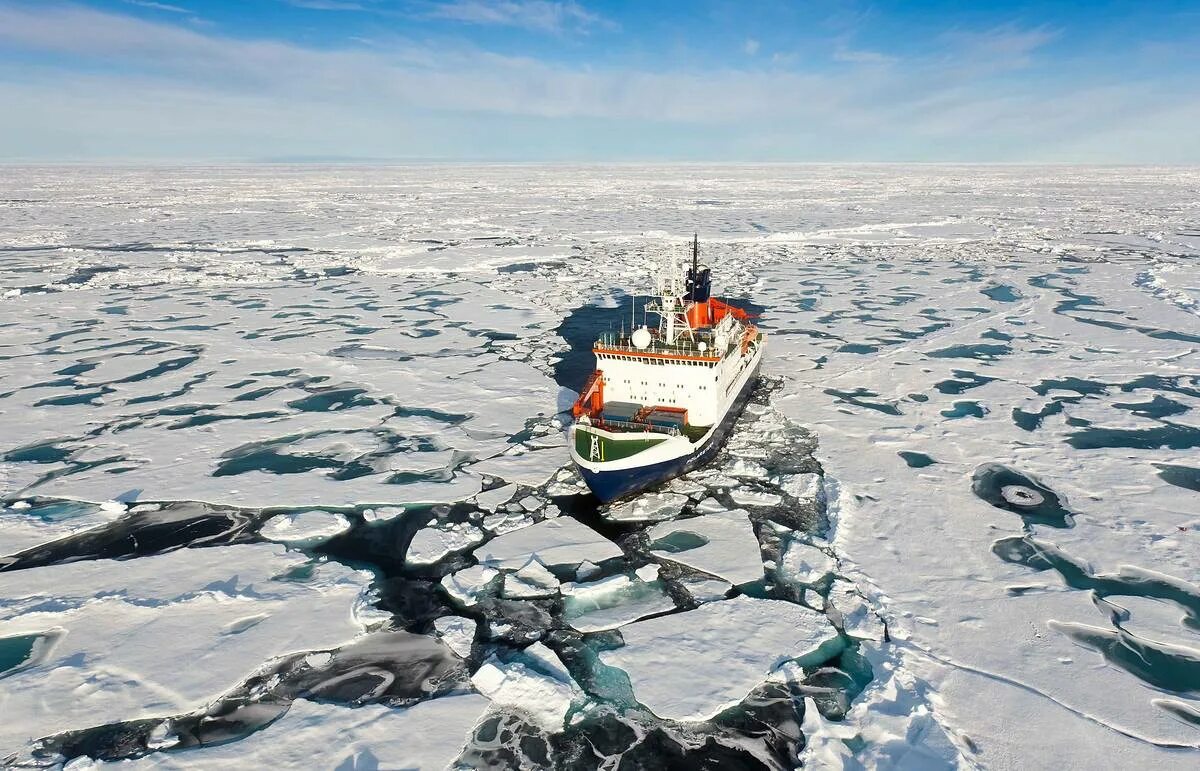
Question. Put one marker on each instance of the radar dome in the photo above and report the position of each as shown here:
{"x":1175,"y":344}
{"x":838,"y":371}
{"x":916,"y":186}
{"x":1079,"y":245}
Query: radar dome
{"x":641,"y":337}
{"x":703,"y":346}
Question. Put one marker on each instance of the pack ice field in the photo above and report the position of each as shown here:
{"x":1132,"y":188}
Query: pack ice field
{"x":285,"y":477}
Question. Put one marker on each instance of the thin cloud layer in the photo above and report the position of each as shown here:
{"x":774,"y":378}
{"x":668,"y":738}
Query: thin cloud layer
{"x":112,"y":85}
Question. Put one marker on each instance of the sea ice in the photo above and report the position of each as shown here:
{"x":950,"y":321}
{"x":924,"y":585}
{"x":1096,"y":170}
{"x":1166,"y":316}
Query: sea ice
{"x":692,"y":665}
{"x":304,"y":528}
{"x":311,"y":734}
{"x":121,"y":629}
{"x":556,"y":543}
{"x":649,"y":507}
{"x":436,"y":542}
{"x":457,"y":632}
{"x":804,"y":563}
{"x":469,"y":584}
{"x":612,"y":602}
{"x":722,"y":545}
{"x":536,"y":684}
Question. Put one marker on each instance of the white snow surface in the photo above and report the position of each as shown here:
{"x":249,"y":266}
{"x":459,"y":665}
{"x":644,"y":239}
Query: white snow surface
{"x":158,"y":636}
{"x":428,"y":736}
{"x":304,"y":528}
{"x":328,"y":337}
{"x":692,"y":665}
{"x":554,"y":542}
{"x":730,"y":550}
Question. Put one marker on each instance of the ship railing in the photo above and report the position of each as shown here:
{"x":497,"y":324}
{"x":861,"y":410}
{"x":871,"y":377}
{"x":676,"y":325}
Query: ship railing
{"x":677,"y":349}
{"x":625,"y":425}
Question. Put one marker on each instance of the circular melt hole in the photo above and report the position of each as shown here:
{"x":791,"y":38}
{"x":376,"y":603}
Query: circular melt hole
{"x":1019,"y":495}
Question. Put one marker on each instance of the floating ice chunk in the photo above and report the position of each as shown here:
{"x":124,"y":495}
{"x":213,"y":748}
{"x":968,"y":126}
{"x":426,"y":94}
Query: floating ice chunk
{"x":532,"y":580}
{"x":538,"y":688}
{"x":586,"y":570}
{"x":304,"y":528}
{"x":612,"y":602}
{"x":490,"y":500}
{"x":506,"y":521}
{"x":804,"y":564}
{"x":428,"y":735}
{"x":457,"y":632}
{"x":745,"y":497}
{"x":555,"y":542}
{"x":805,"y":487}
{"x":693,"y":665}
{"x":382,"y":513}
{"x":744,"y":469}
{"x":685,"y":486}
{"x":710,"y":506}
{"x":647,"y":572}
{"x":651,"y":507}
{"x":432,"y":544}
{"x":727,"y":547}
{"x":531,"y":503}
{"x":113,"y":507}
{"x":469,"y":584}
{"x":848,"y":606}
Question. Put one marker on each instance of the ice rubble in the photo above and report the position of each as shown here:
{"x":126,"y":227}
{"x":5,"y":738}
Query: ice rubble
{"x":692,"y":665}
{"x":534,"y":682}
{"x":555,"y":542}
{"x":121,"y":628}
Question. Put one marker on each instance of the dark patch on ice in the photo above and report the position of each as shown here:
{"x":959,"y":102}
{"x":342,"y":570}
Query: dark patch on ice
{"x":394,"y":668}
{"x":964,"y":380}
{"x":964,"y":409}
{"x":916,"y":459}
{"x":1002,"y":293}
{"x":1170,"y":435}
{"x":980,"y":351}
{"x":140,"y":534}
{"x":1180,"y":476}
{"x":1022,"y":494}
{"x":857,"y":398}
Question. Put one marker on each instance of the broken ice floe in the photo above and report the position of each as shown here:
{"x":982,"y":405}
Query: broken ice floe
{"x":304,"y":528}
{"x":692,"y":665}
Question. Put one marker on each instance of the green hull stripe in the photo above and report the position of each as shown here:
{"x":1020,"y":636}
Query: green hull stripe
{"x":609,"y":449}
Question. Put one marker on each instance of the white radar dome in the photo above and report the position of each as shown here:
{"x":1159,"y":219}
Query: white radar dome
{"x":641,"y":337}
{"x":703,"y":346}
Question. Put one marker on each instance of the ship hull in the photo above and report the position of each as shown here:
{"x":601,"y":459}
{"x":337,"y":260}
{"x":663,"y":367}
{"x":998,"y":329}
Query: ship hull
{"x":609,"y":485}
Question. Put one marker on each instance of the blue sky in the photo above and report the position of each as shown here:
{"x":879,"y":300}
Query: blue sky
{"x":585,"y":80}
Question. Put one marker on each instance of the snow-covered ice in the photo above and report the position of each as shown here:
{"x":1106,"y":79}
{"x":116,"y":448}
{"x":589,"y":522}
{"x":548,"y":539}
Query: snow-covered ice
{"x":304,"y":528}
{"x":162,"y":635}
{"x":192,"y":357}
{"x":693,"y":665}
{"x":722,"y":545}
{"x":555,"y":542}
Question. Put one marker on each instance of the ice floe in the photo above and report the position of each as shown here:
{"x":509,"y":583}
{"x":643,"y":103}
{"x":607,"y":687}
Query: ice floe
{"x":722,"y":545}
{"x":692,"y":665}
{"x":555,"y":543}
{"x":304,"y":528}
{"x":121,"y":629}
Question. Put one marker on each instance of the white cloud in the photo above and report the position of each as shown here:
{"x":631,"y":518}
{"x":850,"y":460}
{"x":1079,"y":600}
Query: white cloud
{"x":166,"y":90}
{"x":327,"y":5}
{"x":157,"y":6}
{"x":854,"y":56}
{"x":751,"y":46}
{"x":539,"y":15}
